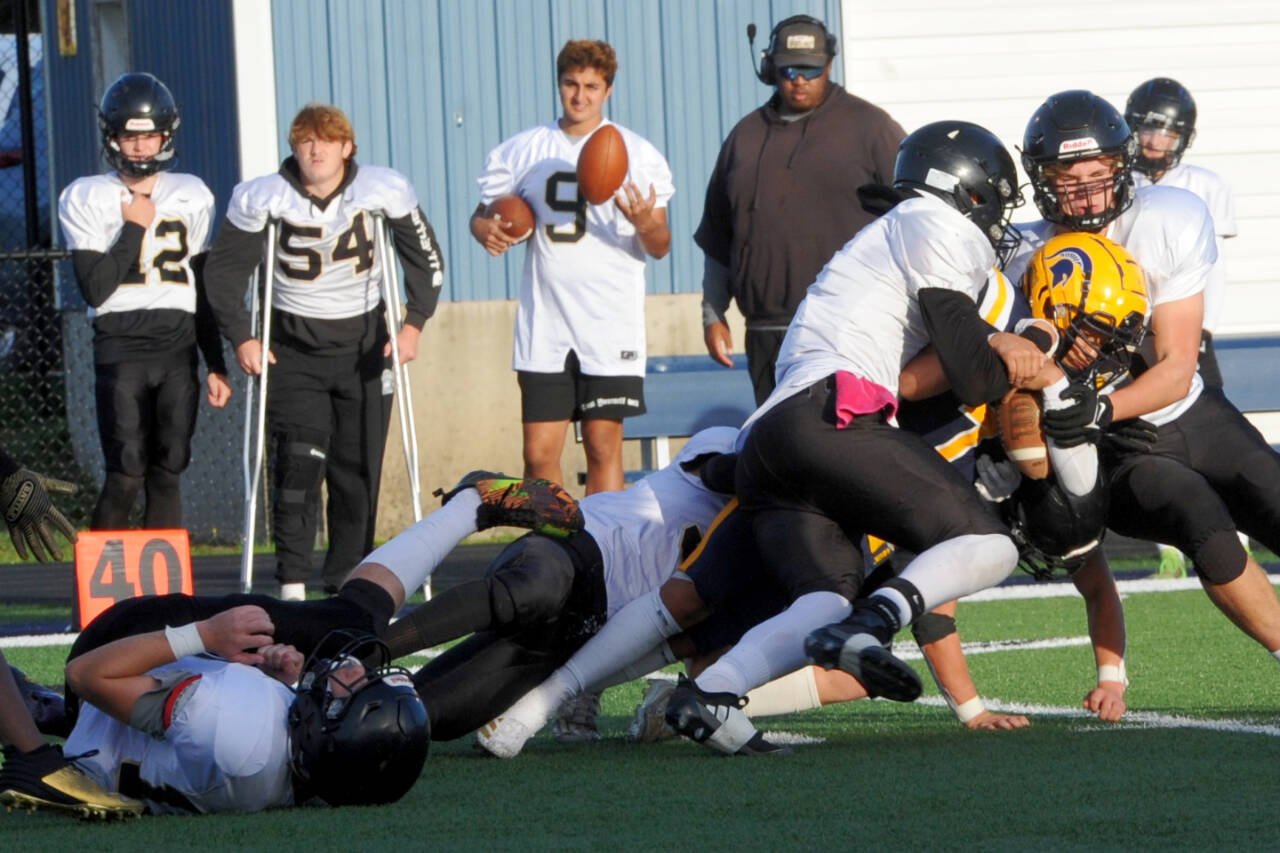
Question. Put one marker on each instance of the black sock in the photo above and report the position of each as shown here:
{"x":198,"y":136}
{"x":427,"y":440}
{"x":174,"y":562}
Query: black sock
{"x":463,"y":609}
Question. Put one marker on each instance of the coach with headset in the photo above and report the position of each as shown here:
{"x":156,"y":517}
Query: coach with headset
{"x":783,"y":196}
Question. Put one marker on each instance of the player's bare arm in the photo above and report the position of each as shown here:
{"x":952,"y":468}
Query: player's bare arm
{"x":113,"y":676}
{"x":650,"y":221}
{"x":487,"y":231}
{"x":1176,"y":330}
{"x":1107,"y":634}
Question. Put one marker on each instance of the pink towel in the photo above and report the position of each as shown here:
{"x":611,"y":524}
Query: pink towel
{"x":857,"y":396}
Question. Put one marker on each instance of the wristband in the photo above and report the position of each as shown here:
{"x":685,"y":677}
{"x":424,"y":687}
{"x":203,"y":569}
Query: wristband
{"x":967,"y":711}
{"x":1109,"y":672}
{"x":184,"y":640}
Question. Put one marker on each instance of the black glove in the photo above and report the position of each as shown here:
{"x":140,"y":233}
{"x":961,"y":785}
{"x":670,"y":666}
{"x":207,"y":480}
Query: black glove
{"x":1083,"y":421}
{"x":1133,"y":435}
{"x":31,"y":516}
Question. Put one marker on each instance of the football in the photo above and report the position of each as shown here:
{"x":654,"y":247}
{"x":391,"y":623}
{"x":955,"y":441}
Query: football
{"x":517,"y":216}
{"x":602,"y":165}
{"x":1021,"y":432}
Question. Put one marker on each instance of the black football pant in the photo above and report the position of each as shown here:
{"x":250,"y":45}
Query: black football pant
{"x":327,"y":417}
{"x":146,"y":417}
{"x":763,"y":346}
{"x":539,"y":602}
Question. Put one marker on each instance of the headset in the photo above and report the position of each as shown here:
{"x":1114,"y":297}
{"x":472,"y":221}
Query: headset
{"x":767,"y":73}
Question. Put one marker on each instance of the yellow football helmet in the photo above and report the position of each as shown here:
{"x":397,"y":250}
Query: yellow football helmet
{"x":1092,"y":288}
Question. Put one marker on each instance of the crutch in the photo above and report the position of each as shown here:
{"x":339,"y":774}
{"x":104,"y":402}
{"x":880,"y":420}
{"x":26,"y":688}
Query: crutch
{"x":255,"y":420}
{"x":404,"y":399}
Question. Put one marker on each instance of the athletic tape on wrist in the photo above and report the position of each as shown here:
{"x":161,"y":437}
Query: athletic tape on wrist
{"x":967,"y":711}
{"x":184,"y":640}
{"x":1109,"y":672}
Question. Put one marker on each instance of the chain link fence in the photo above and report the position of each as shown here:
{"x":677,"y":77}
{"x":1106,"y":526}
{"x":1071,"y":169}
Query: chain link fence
{"x":48,"y":414}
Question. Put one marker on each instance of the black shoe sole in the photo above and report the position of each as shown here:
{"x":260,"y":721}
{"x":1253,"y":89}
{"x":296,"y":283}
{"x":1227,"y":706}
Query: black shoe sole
{"x":882,"y":674}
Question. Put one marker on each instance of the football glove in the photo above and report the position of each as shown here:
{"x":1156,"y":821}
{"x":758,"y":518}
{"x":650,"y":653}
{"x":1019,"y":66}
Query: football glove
{"x":1085,"y":420}
{"x":32,"y":518}
{"x":1133,"y":435}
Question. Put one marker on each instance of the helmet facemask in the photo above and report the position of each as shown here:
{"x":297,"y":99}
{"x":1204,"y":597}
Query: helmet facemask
{"x":1052,"y":201}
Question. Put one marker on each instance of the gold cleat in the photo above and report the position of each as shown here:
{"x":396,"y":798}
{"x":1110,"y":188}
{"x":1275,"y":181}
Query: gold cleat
{"x":44,"y":779}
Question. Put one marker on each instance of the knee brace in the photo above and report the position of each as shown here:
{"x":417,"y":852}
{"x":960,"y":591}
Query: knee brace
{"x":300,"y":459}
{"x":1219,"y":557}
{"x":932,"y":627}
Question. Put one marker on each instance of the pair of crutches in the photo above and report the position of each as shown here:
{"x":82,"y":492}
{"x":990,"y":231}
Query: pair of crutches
{"x":255,"y":409}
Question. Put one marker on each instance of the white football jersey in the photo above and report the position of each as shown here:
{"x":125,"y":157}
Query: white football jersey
{"x":583,"y":283}
{"x":1170,"y":233}
{"x":89,"y":210}
{"x":639,"y":530}
{"x":862,"y":315}
{"x":1216,"y":195}
{"x":225,"y":750}
{"x":326,"y":266}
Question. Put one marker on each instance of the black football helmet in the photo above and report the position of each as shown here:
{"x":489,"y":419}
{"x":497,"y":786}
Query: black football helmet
{"x":1054,"y":530}
{"x":967,"y":167}
{"x":1162,"y":104}
{"x":364,"y":745}
{"x":138,"y":103}
{"x":1071,"y":126}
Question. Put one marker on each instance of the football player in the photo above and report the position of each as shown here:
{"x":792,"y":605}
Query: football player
{"x":329,"y":392}
{"x":1162,"y":113}
{"x":187,"y":734}
{"x":138,"y":237}
{"x":1209,"y":469}
{"x":579,"y":331}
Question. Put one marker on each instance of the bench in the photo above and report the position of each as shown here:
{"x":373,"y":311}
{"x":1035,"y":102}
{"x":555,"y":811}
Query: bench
{"x":684,"y":394}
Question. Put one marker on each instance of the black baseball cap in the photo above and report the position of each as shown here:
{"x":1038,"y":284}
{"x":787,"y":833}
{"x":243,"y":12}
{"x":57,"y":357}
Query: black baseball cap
{"x":800,"y":43}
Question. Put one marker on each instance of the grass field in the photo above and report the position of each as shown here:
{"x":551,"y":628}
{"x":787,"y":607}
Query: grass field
{"x":1193,"y":766}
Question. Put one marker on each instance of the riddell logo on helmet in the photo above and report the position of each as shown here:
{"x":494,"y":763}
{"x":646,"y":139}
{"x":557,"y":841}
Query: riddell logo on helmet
{"x":139,"y":124}
{"x":1071,"y":146}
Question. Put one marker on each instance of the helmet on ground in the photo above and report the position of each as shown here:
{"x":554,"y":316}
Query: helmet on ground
{"x":1092,"y":289}
{"x":1054,"y":530}
{"x":967,"y":167}
{"x":1070,"y":127}
{"x":358,"y":732}
{"x":138,"y":103}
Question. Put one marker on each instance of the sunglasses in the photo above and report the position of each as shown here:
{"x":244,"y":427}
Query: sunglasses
{"x":794,"y":72}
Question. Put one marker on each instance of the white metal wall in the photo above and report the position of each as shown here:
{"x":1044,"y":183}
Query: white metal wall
{"x":995,"y":61}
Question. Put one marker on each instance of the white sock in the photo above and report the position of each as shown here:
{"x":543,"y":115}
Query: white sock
{"x":293,"y":592}
{"x":414,"y":554}
{"x":899,"y":602}
{"x":961,"y":566}
{"x":789,"y":694}
{"x":775,"y":647}
{"x":535,"y":708}
{"x":655,"y":659}
{"x":629,"y":635}
{"x":1276,"y":655}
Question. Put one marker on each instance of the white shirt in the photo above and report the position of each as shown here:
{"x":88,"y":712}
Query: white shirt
{"x":639,"y":529}
{"x":89,"y":210}
{"x":1170,"y":233}
{"x":862,"y":315}
{"x":326,"y":266}
{"x":583,"y":283}
{"x":1216,"y":195}
{"x":225,"y":750}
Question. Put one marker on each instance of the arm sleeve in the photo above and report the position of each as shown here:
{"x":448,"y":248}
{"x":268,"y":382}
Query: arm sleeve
{"x":99,"y":273}
{"x":423,"y":264}
{"x":715,"y":291}
{"x":207,"y":337}
{"x":226,"y":277}
{"x":975,"y":372}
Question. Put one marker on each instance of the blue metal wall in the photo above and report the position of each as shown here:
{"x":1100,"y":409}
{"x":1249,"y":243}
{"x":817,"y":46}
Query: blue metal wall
{"x":433,"y":85}
{"x":187,"y":45}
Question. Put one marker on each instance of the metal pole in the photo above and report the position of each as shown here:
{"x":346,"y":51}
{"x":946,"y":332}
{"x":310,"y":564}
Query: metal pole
{"x":253,"y":455}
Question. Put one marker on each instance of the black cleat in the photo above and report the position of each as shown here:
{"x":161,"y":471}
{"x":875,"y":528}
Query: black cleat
{"x":717,"y":721}
{"x":44,"y":779}
{"x":859,"y":646}
{"x":46,"y":705}
{"x":538,"y":505}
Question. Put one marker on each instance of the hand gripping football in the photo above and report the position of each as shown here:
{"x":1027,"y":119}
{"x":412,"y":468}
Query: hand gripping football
{"x":1023,"y":437}
{"x":602,"y":164}
{"x":517,"y":216}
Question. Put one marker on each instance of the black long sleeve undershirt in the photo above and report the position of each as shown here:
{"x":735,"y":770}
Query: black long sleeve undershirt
{"x":975,"y":371}
{"x":231,"y":262}
{"x":207,"y":337}
{"x":99,"y":273}
{"x":423,"y":263}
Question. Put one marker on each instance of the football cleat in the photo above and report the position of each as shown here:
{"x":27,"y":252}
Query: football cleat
{"x":859,"y":646}
{"x":575,"y":721}
{"x":46,"y":705}
{"x":503,"y":737}
{"x":717,"y":721}
{"x":538,"y":505}
{"x":1172,"y":564}
{"x":649,"y":725}
{"x":45,"y":779}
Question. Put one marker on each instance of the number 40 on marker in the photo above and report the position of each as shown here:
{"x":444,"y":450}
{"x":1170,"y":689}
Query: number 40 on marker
{"x":114,"y":565}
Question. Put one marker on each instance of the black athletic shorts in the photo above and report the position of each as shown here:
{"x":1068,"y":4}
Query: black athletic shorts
{"x":572,"y":395}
